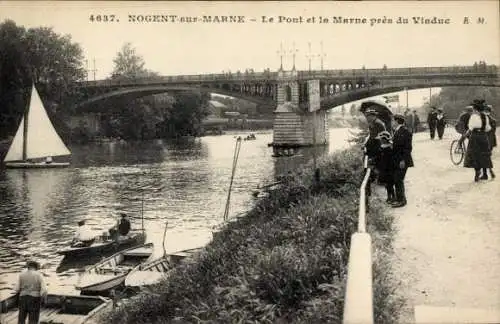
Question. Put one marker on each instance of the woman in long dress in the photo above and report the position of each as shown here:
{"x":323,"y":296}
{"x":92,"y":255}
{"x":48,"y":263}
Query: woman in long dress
{"x":478,"y":155}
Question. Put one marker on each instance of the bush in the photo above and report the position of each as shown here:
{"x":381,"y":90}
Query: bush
{"x":284,"y":262}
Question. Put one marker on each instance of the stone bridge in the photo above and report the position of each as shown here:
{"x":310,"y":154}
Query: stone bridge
{"x":289,"y":91}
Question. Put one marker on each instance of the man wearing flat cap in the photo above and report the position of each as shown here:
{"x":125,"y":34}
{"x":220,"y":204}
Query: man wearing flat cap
{"x":402,"y":147}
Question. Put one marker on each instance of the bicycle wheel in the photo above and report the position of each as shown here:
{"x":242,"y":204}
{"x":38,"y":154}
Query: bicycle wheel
{"x":456,"y":152}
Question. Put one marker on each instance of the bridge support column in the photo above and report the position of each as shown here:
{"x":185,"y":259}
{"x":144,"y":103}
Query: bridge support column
{"x":294,"y":122}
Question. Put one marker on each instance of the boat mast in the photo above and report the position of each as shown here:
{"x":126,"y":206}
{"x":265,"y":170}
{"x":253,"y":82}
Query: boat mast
{"x":25,"y":130}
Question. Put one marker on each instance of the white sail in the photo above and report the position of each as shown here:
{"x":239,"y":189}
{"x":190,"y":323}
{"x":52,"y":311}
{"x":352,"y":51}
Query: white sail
{"x":15,"y":152}
{"x":42,"y":139}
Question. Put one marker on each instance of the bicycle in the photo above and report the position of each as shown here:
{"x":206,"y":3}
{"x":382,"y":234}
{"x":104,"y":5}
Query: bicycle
{"x":458,"y":149}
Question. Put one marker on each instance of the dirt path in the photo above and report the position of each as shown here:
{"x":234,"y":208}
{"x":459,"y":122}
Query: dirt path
{"x":447,"y":244}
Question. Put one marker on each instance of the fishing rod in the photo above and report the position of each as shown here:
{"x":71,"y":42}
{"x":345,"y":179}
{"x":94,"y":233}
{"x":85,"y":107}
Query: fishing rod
{"x":163,"y":242}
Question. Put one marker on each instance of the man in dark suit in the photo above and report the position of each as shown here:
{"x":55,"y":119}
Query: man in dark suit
{"x":432,"y":121}
{"x":402,"y":147}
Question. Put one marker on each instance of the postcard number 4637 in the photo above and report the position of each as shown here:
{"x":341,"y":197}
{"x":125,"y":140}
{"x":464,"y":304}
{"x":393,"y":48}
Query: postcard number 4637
{"x":103,"y":18}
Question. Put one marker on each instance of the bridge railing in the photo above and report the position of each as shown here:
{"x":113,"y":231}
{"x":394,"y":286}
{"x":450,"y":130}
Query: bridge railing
{"x":339,"y":73}
{"x":358,"y":301}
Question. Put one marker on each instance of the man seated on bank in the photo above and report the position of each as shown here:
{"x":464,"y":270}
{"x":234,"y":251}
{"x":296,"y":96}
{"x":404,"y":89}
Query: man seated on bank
{"x":83,"y":236}
{"x":122,"y":228}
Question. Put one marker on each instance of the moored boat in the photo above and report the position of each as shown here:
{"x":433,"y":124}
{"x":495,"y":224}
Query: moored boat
{"x":103,"y":245}
{"x":111,"y":272}
{"x":151,"y":273}
{"x":65,"y":309}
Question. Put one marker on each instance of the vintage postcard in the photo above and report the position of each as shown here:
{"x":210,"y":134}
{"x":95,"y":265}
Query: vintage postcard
{"x":317,"y":161}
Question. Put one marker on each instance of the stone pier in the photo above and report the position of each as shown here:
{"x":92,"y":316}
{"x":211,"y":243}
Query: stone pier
{"x":297,"y":115}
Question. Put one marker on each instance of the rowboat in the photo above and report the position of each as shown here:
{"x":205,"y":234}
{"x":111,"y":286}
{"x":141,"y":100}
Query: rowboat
{"x":60,"y":309}
{"x":111,"y":272}
{"x":151,"y":273}
{"x":104,"y":245}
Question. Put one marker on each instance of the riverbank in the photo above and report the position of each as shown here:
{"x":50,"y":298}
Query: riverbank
{"x":285,"y":261}
{"x":447,"y":247}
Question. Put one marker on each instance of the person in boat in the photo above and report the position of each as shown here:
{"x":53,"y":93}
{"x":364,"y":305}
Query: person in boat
{"x":83,"y":236}
{"x":122,"y":227}
{"x":31,"y":289}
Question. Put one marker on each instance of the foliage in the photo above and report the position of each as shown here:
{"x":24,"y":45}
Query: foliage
{"x":284,"y":262}
{"x":453,"y":100}
{"x":53,"y":62}
{"x":130,"y":65}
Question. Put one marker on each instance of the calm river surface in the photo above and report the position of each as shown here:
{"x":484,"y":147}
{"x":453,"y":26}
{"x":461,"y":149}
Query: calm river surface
{"x":182,"y":184}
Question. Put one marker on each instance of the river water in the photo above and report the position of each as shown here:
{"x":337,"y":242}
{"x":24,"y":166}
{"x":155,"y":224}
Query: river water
{"x":184,"y":184}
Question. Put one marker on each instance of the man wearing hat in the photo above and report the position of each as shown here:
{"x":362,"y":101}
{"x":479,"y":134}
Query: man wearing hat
{"x":401,"y":151}
{"x":83,"y":236}
{"x":432,"y":121}
{"x":440,"y":123}
{"x":30,"y":289}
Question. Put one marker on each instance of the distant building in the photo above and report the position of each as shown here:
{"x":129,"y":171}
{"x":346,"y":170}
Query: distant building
{"x":216,"y":108}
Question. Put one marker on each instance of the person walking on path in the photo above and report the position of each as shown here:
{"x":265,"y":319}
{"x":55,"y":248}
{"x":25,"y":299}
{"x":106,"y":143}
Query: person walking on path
{"x":440,"y":123}
{"x":492,"y":138}
{"x":402,"y":159}
{"x":31,"y":289}
{"x":415,"y":122}
{"x":432,"y":122}
{"x":478,"y":155}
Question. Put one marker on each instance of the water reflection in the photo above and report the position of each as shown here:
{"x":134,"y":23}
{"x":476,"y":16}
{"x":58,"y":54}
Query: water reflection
{"x":182,"y":183}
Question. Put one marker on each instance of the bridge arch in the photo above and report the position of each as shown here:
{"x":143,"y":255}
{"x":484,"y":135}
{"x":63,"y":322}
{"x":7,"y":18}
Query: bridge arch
{"x":354,"y":94}
{"x":143,"y":91}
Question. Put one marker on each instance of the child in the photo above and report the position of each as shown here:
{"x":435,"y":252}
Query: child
{"x":385,"y":165}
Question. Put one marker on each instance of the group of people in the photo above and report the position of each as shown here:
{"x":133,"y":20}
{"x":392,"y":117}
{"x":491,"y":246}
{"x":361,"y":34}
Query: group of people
{"x":477,"y":124}
{"x":412,"y":121}
{"x":31,"y":287}
{"x":436,"y":120}
{"x":389,"y":148}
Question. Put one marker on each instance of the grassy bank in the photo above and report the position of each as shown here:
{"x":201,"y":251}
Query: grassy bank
{"x":285,"y":262}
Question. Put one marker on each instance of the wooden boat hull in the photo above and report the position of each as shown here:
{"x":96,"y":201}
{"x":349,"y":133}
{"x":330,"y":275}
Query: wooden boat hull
{"x":111,"y":272}
{"x":103,"y":247}
{"x":65,"y":309}
{"x":35,"y":165}
{"x":151,"y":273}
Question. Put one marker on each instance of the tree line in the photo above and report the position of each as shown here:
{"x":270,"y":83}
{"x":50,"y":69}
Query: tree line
{"x":55,"y":64}
{"x":453,"y":100}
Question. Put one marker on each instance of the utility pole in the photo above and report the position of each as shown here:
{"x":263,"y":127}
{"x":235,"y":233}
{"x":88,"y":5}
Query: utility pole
{"x":322,"y":55}
{"x":94,"y":70}
{"x":406,"y":89}
{"x":294,"y":53}
{"x":281,"y":52}
{"x":87,"y":69}
{"x":430,"y":97}
{"x":309,"y":56}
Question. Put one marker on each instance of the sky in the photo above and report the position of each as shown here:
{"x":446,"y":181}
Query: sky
{"x":173,"y":48}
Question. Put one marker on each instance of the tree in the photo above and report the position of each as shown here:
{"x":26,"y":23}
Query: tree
{"x":186,"y":115}
{"x":130,"y":65}
{"x":53,"y":62}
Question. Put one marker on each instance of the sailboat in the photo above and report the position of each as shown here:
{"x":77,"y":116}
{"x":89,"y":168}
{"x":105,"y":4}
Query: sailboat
{"x":36,"y":140}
